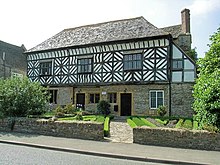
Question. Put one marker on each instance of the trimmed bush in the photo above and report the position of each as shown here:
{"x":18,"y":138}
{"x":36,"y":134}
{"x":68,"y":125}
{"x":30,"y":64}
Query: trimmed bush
{"x":69,"y":109}
{"x":164,"y":122}
{"x":79,"y":115}
{"x":100,"y":119}
{"x":138,"y":121}
{"x":147,"y":123}
{"x":131,"y":123}
{"x":179,"y":123}
{"x":106,"y":126}
{"x":161,"y":110}
{"x":195,"y":125}
{"x":187,"y":124}
{"x":103,"y":107}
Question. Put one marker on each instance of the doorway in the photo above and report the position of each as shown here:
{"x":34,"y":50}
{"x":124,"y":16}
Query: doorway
{"x":80,"y":100}
{"x":126,"y":104}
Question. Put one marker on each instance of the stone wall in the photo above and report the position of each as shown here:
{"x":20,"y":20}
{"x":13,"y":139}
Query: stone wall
{"x":177,"y":138}
{"x":65,"y":95}
{"x":73,"y":129}
{"x":140,"y":97}
{"x":181,"y":99}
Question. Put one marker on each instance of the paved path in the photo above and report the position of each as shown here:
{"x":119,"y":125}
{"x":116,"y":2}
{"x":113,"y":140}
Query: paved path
{"x":138,"y":152}
{"x":120,"y":132}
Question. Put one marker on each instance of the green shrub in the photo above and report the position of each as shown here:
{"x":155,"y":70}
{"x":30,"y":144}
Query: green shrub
{"x":187,"y":124}
{"x":59,"y":111}
{"x":211,"y":128}
{"x":138,"y":121}
{"x":161,"y":110}
{"x":163,"y":122}
{"x":106,"y":126}
{"x":147,"y":123}
{"x":100,"y":118}
{"x":179,"y":123}
{"x":131,"y":123}
{"x":195,"y":125}
{"x":79,"y":115}
{"x":69,"y":109}
{"x":103,"y":107}
{"x":20,"y":97}
{"x":207,"y":88}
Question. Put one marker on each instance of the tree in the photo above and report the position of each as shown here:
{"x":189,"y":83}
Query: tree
{"x":207,"y":87}
{"x":193,"y":54}
{"x":20,"y":97}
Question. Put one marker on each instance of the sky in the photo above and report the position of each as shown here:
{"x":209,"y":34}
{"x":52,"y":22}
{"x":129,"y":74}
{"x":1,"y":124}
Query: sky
{"x":30,"y":22}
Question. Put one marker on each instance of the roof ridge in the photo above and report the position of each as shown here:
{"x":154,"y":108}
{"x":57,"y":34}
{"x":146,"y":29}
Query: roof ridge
{"x":102,"y":23}
{"x":170,"y":26}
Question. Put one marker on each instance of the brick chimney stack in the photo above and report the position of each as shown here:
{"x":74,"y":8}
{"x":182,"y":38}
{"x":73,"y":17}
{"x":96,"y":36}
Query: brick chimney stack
{"x":185,"y":15}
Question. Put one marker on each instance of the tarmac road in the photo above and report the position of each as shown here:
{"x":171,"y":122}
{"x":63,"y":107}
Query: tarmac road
{"x":21,"y":155}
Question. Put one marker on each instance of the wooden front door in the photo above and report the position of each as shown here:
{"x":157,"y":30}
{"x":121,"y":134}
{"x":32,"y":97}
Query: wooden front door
{"x":126,"y":104}
{"x":80,"y":100}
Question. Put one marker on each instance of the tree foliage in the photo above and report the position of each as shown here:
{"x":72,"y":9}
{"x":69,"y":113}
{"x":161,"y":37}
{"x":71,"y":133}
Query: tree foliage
{"x":193,"y":54}
{"x":20,"y":97}
{"x":207,"y":87}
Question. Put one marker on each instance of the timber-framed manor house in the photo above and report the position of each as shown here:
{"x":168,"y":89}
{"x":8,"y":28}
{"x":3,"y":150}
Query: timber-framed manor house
{"x":131,"y":63}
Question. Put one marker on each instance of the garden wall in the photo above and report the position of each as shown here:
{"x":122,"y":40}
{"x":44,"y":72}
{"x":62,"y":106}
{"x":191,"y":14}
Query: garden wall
{"x":74,"y":129}
{"x":177,"y":138}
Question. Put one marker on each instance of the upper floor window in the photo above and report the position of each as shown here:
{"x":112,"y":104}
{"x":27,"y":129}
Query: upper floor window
{"x":156,"y":99}
{"x":85,"y":65}
{"x":178,"y":64}
{"x":132,"y":62}
{"x":45,"y":68}
{"x":112,"y":97}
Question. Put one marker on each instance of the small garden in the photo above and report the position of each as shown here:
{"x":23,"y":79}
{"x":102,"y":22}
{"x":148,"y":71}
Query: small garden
{"x":71,"y":113}
{"x":169,"y":122}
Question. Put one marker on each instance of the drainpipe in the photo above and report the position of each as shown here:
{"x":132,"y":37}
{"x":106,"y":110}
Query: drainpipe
{"x":170,"y":52}
{"x":3,"y":58}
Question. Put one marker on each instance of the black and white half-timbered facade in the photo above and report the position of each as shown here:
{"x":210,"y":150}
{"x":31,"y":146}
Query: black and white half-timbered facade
{"x":131,"y":63}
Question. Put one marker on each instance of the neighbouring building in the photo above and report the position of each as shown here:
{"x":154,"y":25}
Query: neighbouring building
{"x":13,"y":61}
{"x":131,"y":63}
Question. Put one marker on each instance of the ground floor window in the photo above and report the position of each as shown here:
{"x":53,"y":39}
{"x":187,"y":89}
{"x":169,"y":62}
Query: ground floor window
{"x":53,"y":95}
{"x":112,"y":97}
{"x":94,"y":98}
{"x":156,"y":99}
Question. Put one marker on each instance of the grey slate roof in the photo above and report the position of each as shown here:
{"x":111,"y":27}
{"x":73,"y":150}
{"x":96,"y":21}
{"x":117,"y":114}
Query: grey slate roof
{"x":175,"y":30}
{"x":14,"y":57}
{"x":103,"y":32}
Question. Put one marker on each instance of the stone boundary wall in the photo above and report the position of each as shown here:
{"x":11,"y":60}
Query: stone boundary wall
{"x":74,"y":129}
{"x":179,"y":138}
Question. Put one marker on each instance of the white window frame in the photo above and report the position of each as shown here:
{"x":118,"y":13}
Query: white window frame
{"x":44,"y":61}
{"x":156,"y":98}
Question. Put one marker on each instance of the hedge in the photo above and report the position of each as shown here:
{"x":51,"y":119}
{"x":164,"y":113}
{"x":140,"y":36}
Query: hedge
{"x":106,"y":126}
{"x":148,"y":123}
{"x":187,"y":124}
{"x":131,"y":123}
{"x":179,"y":123}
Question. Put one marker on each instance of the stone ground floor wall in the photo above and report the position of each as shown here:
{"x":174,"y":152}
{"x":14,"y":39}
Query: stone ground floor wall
{"x":177,"y":138}
{"x":77,"y":129}
{"x":182,"y":99}
{"x":178,"y":100}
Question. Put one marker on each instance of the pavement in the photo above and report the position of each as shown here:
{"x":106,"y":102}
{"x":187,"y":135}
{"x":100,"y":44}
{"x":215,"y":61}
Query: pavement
{"x":130,"y":151}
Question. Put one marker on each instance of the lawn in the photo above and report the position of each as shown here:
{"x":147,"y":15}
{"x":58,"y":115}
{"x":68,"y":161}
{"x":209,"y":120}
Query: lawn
{"x":181,"y":123}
